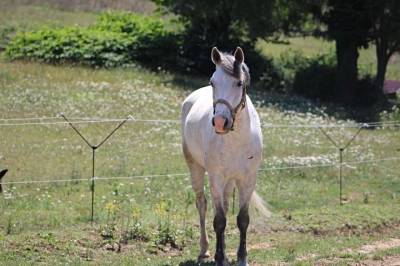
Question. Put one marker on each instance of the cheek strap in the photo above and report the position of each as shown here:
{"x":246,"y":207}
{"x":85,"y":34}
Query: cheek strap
{"x":232,"y":110}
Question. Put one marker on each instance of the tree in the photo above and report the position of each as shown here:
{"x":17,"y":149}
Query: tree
{"x":354,"y":24}
{"x":348,"y":24}
{"x":385,"y":34}
{"x":228,"y":24}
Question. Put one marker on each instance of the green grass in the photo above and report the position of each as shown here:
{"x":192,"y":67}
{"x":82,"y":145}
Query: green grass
{"x":50,"y":222}
{"x":31,"y":16}
{"x":311,"y":46}
{"x":22,"y":17}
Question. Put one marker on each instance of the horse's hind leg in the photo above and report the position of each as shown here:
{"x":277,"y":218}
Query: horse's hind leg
{"x":197,"y":177}
{"x":243,"y":219}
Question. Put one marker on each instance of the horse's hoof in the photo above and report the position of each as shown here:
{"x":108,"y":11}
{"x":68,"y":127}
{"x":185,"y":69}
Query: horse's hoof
{"x":242,"y":263}
{"x":203,"y":257}
{"x":224,"y":263}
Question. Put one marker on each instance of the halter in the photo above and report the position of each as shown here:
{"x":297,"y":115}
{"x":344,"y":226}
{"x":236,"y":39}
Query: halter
{"x":232,"y":110}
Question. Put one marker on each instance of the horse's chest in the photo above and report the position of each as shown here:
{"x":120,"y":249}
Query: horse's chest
{"x":230,"y":161}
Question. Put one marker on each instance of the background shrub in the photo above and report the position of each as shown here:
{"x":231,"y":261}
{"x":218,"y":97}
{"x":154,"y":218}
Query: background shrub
{"x":315,"y":77}
{"x":116,"y":39}
{"x":312,"y":77}
{"x":5,"y":35}
{"x":85,"y":46}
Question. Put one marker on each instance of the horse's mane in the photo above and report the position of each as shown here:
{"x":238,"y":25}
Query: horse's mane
{"x":229,"y":65}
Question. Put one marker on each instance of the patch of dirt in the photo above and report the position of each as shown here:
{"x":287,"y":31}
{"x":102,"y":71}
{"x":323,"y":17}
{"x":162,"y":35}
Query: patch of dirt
{"x":379,"y":245}
{"x":365,"y":250}
{"x":387,"y":261}
{"x":257,"y":246}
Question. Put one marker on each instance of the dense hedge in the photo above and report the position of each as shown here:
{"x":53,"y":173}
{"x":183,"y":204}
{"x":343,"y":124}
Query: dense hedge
{"x":313,"y":77}
{"x":116,"y":39}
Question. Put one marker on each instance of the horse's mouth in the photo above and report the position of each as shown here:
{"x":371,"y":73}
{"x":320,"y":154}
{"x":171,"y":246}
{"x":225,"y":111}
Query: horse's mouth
{"x":222,"y":132}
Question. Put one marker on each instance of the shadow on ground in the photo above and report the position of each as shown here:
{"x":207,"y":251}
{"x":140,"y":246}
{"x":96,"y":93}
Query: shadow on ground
{"x":195,"y":263}
{"x":286,"y":102}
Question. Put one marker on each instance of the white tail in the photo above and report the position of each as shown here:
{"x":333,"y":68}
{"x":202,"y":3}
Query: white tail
{"x":259,"y":204}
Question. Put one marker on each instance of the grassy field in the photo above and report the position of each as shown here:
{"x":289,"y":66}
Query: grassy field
{"x":153,"y":220}
{"x":30,"y":17}
{"x":311,"y":46}
{"x":50,"y":222}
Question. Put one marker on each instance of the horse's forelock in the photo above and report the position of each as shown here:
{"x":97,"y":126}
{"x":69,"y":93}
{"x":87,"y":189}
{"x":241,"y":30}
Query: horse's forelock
{"x":232,"y":68}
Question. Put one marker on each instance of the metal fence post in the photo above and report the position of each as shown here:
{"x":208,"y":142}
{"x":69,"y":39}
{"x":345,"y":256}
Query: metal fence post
{"x":340,"y":175}
{"x":341,"y":149}
{"x":93,"y":181}
{"x":94,"y":148}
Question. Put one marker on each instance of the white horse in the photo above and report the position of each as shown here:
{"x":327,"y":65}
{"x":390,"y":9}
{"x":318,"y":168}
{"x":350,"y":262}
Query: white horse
{"x":222,"y":135}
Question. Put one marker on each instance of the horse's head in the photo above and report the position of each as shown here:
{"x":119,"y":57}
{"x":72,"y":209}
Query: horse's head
{"x":229,"y":83}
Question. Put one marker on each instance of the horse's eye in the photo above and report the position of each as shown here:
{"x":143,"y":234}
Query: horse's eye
{"x":240,"y":84}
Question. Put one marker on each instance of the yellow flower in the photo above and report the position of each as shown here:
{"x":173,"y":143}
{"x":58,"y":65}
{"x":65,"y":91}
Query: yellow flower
{"x":136,"y":213}
{"x":111,"y":207}
{"x":161,"y":208}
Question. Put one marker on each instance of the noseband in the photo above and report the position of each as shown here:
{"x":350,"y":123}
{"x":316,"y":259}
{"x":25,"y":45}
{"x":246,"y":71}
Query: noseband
{"x":232,"y":110}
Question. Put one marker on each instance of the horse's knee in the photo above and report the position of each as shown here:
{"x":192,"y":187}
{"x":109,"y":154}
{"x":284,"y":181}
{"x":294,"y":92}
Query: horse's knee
{"x":219,"y":221}
{"x":243,"y":219}
{"x":201,"y":201}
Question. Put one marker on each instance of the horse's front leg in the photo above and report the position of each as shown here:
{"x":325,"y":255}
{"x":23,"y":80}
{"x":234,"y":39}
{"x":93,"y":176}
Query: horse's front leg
{"x":246,"y":189}
{"x":217,"y":191}
{"x":243,"y":220}
{"x":197,"y":178}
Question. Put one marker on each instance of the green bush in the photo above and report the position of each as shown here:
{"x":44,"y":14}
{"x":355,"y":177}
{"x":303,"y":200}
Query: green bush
{"x":116,"y":39}
{"x":280,"y":76}
{"x":157,"y":41}
{"x":312,"y":77}
{"x":315,"y":77}
{"x":5,"y":35}
{"x":74,"y":45}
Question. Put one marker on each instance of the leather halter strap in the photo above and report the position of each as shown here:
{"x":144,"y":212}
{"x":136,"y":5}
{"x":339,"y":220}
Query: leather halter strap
{"x":235,"y":110}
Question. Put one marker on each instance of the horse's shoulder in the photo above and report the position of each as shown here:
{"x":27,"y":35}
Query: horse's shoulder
{"x":199,"y":93}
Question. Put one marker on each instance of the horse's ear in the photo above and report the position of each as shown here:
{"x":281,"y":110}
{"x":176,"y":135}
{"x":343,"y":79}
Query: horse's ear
{"x":239,"y":55}
{"x":215,"y":56}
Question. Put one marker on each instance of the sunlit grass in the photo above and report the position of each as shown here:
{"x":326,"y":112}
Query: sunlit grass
{"x":311,"y":46}
{"x":304,"y":201}
{"x":30,"y":16}
{"x":50,"y":223}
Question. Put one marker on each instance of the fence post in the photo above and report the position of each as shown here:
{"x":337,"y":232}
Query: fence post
{"x":341,"y":149}
{"x":94,"y":148}
{"x":93,"y":181}
{"x":340,"y":175}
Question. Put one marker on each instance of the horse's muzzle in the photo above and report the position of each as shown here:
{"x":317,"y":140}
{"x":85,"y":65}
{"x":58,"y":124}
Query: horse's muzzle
{"x":221,"y":124}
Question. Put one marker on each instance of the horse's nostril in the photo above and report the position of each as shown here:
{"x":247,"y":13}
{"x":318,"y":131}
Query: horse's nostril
{"x":212,"y":122}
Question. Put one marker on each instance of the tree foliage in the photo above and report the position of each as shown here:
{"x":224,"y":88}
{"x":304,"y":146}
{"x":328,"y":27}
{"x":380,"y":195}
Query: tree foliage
{"x":227,"y":24}
{"x":354,"y":24}
{"x":385,"y":34}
